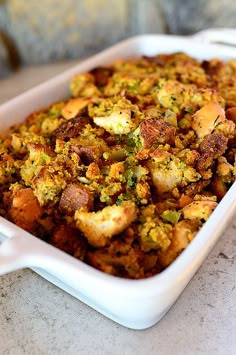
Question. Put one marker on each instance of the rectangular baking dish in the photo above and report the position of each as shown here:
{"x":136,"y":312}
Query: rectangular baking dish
{"x":136,"y":304}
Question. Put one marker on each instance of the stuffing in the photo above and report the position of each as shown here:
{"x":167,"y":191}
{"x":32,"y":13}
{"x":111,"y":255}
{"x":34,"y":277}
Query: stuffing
{"x":74,"y":107}
{"x":101,"y":75}
{"x":174,"y":95}
{"x":70,"y":128}
{"x":189,"y":156}
{"x":182,"y":234}
{"x":69,"y":240}
{"x":227,"y":90}
{"x":212,"y":146}
{"x":124,"y":172}
{"x":155,"y":235}
{"x":199,"y":209}
{"x":50,"y":124}
{"x":83,"y":85}
{"x":88,"y":153}
{"x":171,"y":173}
{"x":75,"y":196}
{"x":154,"y":131}
{"x":231,"y":114}
{"x":93,"y":172}
{"x":196,"y":187}
{"x":20,"y":141}
{"x":223,"y":76}
{"x":117,"y":122}
{"x":38,"y":156}
{"x":209,"y":118}
{"x":99,"y":227}
{"x":115,"y":116}
{"x":130,"y":84}
{"x":143,"y":192}
{"x":219,"y":187}
{"x":8,"y":168}
{"x":127,"y":260}
{"x":25,"y":209}
{"x":48,"y":183}
{"x":225,"y":175}
{"x":109,"y":191}
{"x":224,"y":168}
{"x":116,"y":172}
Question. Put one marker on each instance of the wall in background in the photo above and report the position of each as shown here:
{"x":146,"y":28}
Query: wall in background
{"x":50,"y":30}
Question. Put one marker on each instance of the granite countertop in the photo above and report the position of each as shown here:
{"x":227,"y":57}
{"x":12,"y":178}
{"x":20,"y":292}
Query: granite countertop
{"x":36,"y":317}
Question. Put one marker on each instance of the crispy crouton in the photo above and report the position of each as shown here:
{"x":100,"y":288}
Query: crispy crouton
{"x":199,"y":209}
{"x":231,"y":114}
{"x":74,"y":107}
{"x":212,"y":146}
{"x":70,"y":129}
{"x":25,"y":209}
{"x":75,"y":196}
{"x":156,"y":131}
{"x":101,"y":75}
{"x":183,"y":233}
{"x":172,"y":172}
{"x":99,"y":227}
{"x":209,"y":118}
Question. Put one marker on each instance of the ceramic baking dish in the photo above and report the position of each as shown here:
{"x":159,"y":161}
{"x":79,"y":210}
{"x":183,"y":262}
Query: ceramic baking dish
{"x":136,"y":304}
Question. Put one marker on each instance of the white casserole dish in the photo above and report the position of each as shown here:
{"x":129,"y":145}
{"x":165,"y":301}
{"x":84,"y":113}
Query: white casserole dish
{"x":136,"y":304}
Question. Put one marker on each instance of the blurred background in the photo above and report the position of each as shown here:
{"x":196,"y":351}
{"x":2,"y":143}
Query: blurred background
{"x":38,"y":32}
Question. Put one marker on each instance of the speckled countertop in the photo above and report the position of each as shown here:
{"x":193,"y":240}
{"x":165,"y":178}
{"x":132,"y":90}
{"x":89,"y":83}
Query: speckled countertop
{"x":38,"y":318}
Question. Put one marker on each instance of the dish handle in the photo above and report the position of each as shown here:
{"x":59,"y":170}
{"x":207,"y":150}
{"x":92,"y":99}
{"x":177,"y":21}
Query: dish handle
{"x":10,"y":257}
{"x":223,"y":36}
{"x":20,"y":249}
{"x":16,"y":247}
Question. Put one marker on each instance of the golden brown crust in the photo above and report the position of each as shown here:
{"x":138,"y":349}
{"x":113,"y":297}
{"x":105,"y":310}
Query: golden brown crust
{"x":101,"y":75}
{"x":25,"y":209}
{"x":212,"y":146}
{"x":87,"y":154}
{"x":155,"y":131}
{"x":70,"y":128}
{"x":231,"y":114}
{"x":73,"y":197}
{"x":196,"y":187}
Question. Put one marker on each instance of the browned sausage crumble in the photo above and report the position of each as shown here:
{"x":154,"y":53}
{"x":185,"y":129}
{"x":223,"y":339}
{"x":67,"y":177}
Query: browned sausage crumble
{"x":123,"y":174}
